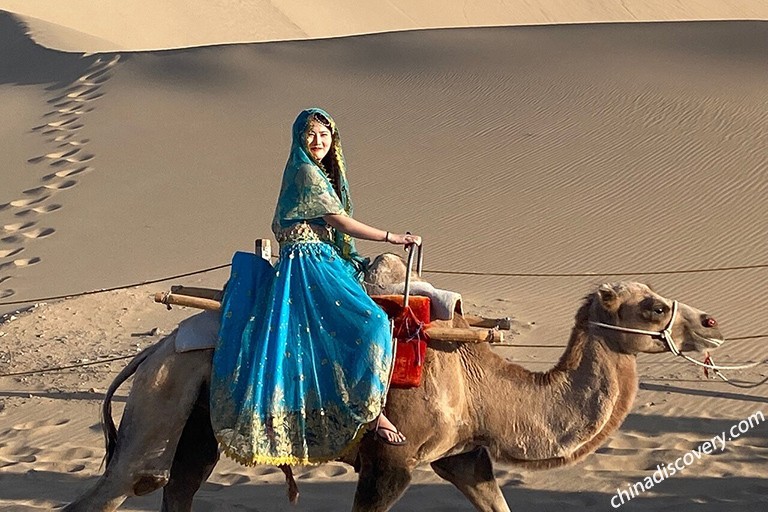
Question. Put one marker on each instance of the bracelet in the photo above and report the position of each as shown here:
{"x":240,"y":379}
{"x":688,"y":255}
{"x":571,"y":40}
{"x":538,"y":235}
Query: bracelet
{"x":386,"y":237}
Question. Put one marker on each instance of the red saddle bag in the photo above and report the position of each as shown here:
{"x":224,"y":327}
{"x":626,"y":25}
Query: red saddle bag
{"x":410,"y":337}
{"x":410,"y":316}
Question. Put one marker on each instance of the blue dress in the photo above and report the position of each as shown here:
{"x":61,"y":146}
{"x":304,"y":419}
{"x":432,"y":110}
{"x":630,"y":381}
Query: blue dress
{"x":304,"y":356}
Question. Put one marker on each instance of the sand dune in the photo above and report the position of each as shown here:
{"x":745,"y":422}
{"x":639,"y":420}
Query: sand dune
{"x":548,"y":158}
{"x":87,"y":26}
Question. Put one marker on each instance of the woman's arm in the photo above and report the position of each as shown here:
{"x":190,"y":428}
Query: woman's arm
{"x":357,"y":229}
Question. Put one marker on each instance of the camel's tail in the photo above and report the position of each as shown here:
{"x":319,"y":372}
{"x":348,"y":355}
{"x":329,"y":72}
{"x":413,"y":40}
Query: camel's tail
{"x":107,"y":423}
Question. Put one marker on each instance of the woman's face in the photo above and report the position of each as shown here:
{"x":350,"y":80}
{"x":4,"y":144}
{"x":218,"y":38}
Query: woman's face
{"x":318,"y":140}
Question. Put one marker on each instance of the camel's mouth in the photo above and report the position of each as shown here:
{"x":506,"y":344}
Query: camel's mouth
{"x":706,"y":342}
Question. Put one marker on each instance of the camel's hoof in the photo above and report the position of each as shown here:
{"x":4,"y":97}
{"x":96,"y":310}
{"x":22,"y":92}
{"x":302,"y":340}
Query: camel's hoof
{"x":146,"y":483}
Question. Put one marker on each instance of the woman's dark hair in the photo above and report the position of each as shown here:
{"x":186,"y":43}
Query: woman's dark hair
{"x":329,"y":162}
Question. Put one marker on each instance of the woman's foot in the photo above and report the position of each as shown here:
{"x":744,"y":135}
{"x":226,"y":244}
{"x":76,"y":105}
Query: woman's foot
{"x":386,"y":432}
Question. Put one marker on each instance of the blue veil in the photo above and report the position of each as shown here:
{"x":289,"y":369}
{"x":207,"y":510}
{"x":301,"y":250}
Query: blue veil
{"x":307,"y":190}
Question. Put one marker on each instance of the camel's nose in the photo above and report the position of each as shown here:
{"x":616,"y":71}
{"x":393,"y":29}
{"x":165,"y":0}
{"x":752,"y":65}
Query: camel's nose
{"x":708,"y":321}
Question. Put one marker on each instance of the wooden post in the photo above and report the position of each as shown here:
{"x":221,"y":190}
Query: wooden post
{"x":464,"y":335}
{"x":193,"y":291}
{"x":187,"y":300}
{"x":504,"y":324}
{"x":264,"y":249}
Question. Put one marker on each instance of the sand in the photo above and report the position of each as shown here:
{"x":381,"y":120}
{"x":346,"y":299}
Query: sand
{"x":549,"y":158}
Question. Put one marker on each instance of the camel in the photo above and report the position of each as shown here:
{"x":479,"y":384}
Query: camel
{"x":473,"y":407}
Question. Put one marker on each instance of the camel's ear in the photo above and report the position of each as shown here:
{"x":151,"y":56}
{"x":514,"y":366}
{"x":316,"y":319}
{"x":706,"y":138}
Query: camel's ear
{"x":608,"y":297}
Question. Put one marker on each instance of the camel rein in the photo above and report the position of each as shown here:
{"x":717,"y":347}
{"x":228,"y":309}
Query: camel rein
{"x":666,"y":335}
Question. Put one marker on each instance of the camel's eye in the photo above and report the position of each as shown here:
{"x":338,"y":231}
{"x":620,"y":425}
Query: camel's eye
{"x":653,"y":309}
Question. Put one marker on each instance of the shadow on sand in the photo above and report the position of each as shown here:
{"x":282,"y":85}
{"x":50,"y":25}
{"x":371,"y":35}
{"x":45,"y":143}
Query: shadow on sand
{"x":675,"y":494}
{"x":23,"y":62}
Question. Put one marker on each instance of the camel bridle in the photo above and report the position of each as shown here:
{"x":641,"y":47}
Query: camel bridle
{"x":666,"y":336}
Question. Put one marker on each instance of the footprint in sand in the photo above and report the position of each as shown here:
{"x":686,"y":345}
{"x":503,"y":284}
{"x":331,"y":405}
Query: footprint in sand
{"x":68,"y":111}
{"x":20,"y":228}
{"x":13,"y":228}
{"x":81,"y":90}
{"x":78,"y":454}
{"x":54,"y":124}
{"x":328,"y":471}
{"x":61,"y":185}
{"x":4,"y":294}
{"x":39,"y":233}
{"x":77,"y":159}
{"x":68,"y":128}
{"x":75,"y":143}
{"x":21,"y":203}
{"x":87,"y":98}
{"x":65,"y":173}
{"x":619,"y":452}
{"x":65,"y":103}
{"x":39,"y":210}
{"x":58,"y":155}
{"x":62,"y":154}
{"x":55,"y":422}
{"x":23,"y":262}
{"x":7,"y":253}
{"x":76,"y":468}
{"x":266,"y":471}
{"x":107,"y":64}
{"x":233,"y":479}
{"x":63,"y":136}
{"x":34,"y":191}
{"x":75,"y":93}
{"x":99,"y":76}
{"x":76,"y":110}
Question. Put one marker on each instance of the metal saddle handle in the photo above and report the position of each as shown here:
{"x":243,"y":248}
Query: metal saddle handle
{"x":411,"y":252}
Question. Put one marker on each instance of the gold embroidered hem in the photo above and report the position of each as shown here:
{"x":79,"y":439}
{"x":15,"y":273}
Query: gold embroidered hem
{"x":292,"y":460}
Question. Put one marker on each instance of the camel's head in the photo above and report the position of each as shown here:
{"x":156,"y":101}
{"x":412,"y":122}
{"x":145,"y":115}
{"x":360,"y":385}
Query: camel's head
{"x":625,"y":313}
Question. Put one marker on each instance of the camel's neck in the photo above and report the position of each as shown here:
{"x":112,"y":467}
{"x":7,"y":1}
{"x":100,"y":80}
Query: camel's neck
{"x":559,"y":416}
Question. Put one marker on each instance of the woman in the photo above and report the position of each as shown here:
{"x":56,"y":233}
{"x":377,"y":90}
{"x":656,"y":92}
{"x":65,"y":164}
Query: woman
{"x":304,"y":355}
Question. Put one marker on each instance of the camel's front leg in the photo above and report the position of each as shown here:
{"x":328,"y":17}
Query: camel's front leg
{"x":383,"y":479}
{"x":472,"y":474}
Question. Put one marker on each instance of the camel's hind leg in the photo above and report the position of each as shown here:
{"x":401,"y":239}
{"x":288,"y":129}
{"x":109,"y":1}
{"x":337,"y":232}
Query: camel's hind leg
{"x":472,"y":474}
{"x":165,"y":388}
{"x":196,"y":455}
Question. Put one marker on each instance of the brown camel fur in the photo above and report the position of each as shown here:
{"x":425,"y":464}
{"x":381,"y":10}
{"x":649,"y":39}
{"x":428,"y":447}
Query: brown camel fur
{"x":472,"y":407}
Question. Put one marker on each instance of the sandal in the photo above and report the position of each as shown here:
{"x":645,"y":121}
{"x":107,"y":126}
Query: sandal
{"x":383,"y":438}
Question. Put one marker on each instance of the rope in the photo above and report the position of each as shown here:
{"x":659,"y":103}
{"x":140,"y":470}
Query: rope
{"x":530,"y":345}
{"x":593,"y":274}
{"x":114,"y":288}
{"x":437,"y":271}
{"x":59,"y":368}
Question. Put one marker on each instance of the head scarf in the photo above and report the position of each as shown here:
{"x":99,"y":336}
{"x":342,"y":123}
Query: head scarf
{"x":307,"y":192}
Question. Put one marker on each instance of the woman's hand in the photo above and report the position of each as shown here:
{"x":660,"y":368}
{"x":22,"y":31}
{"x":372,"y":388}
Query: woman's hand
{"x":406,"y":239}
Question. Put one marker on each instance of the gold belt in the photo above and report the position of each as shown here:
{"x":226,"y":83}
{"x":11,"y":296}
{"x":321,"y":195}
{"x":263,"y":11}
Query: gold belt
{"x":304,"y":232}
